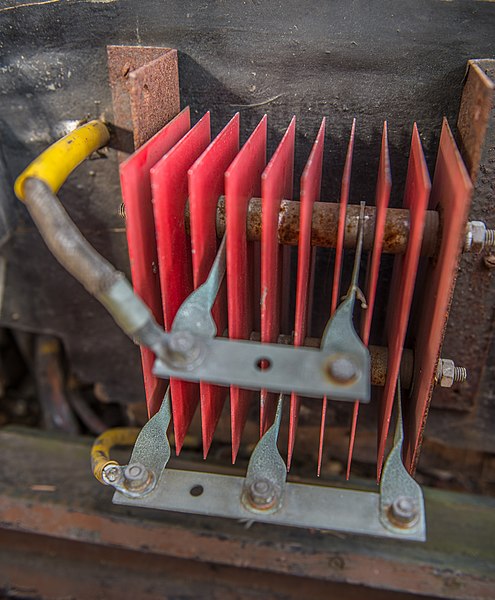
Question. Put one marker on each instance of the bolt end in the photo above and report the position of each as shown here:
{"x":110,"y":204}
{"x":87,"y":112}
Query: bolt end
{"x":460,"y":374}
{"x":490,"y":238}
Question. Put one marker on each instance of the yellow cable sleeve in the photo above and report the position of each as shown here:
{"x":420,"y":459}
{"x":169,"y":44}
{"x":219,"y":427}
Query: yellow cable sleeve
{"x":55,"y":164}
{"x":100,"y":451}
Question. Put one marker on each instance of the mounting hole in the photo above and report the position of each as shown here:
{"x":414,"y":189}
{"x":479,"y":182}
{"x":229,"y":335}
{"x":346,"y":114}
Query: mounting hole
{"x":196,"y":490}
{"x":263,"y":364}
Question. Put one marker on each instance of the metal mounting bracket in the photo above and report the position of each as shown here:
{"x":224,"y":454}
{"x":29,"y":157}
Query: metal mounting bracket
{"x":265,"y":496}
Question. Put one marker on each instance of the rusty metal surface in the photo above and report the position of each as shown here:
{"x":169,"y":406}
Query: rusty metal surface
{"x":145,"y":92}
{"x":325,"y":224}
{"x":50,"y":386}
{"x":456,"y":562}
{"x":474,"y":112}
{"x":379,"y":358}
{"x":469,"y":336}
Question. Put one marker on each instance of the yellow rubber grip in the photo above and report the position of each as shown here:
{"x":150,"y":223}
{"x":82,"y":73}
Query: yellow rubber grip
{"x":56,"y":163}
{"x":100,"y":452}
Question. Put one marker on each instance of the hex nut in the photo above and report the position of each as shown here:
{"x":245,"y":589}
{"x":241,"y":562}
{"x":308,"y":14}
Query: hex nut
{"x":183,"y":349}
{"x":445,"y":372}
{"x":403,"y":511}
{"x":342,"y":369}
{"x":262,"y":493}
{"x":478,"y":232}
{"x":137,"y":476}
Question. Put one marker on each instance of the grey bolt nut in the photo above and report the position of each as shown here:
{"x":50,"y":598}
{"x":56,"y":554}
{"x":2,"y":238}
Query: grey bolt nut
{"x":477,"y":237}
{"x":404,"y":510}
{"x":183,"y":349}
{"x":181,"y":342}
{"x":262,"y":493}
{"x":447,"y":373}
{"x":136,"y":476}
{"x":342,"y":369}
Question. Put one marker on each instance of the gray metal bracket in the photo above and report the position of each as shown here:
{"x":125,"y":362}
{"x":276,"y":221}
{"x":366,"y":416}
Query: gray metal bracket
{"x":149,"y":457}
{"x":396,"y":512}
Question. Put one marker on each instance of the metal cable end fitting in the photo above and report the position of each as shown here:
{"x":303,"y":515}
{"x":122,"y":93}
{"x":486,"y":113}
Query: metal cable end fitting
{"x":111,"y":474}
{"x":447,"y":373}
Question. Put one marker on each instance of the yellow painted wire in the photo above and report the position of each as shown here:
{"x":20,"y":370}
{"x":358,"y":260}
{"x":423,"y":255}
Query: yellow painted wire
{"x":55,"y":164}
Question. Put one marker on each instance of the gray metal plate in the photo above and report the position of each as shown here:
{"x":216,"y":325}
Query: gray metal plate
{"x":307,"y":506}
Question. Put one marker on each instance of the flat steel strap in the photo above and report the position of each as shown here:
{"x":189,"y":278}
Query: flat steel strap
{"x":236,"y":362}
{"x":308,"y":506}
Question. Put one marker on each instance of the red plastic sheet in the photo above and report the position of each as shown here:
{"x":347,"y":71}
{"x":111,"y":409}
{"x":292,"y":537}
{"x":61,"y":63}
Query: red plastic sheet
{"x":382,"y":197}
{"x":206,"y":184}
{"x":310,"y":193}
{"x":403,"y":279}
{"x":451,"y":195}
{"x":170,"y":191}
{"x":140,"y":228}
{"x":242,"y":182}
{"x":337,"y":271}
{"x":276,"y":185}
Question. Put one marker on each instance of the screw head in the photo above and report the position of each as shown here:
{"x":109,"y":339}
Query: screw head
{"x":183,"y":349}
{"x":181,"y":342}
{"x":262,"y":493}
{"x":342,"y":369}
{"x":404,"y":510}
{"x":136,"y":476}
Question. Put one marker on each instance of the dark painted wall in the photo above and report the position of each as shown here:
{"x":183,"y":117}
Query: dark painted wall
{"x":400,"y":61}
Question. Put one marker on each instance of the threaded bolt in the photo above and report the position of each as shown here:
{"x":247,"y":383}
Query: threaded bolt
{"x":478,"y":237}
{"x":490,"y":238}
{"x":448,"y":373}
{"x":403,"y":511}
{"x":460,"y":374}
{"x":262,"y":494}
{"x":137,"y":476}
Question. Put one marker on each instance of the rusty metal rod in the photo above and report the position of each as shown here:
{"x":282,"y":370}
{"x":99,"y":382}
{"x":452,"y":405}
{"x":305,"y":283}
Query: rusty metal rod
{"x":379,"y":358}
{"x":325,"y":223}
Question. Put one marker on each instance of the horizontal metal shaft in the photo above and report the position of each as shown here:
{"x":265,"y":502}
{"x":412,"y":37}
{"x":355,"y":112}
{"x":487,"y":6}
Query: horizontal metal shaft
{"x":325,"y":225}
{"x":379,"y":358}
